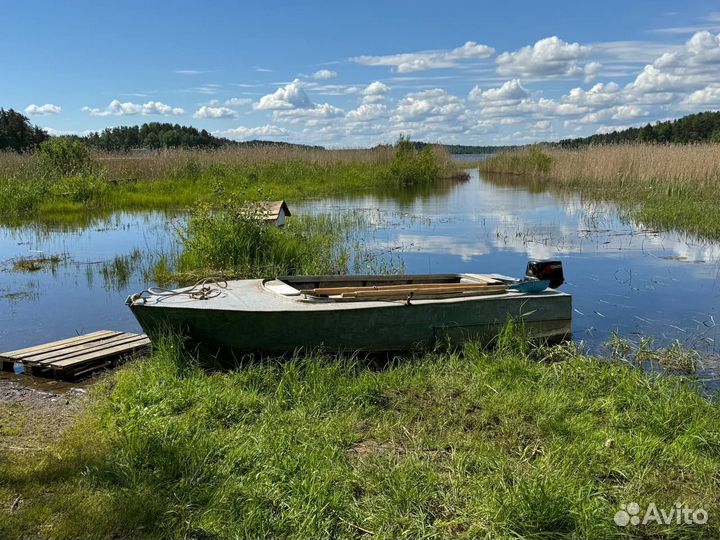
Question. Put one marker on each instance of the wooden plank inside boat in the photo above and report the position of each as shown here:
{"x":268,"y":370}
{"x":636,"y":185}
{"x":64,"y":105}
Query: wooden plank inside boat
{"x":78,"y":356}
{"x":436,"y":288}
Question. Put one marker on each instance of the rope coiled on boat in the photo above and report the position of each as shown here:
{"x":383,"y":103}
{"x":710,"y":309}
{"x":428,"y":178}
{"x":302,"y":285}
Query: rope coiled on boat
{"x":205,"y":289}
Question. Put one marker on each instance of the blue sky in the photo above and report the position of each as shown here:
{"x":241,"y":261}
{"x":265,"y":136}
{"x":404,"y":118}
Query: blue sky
{"x":361,"y":73}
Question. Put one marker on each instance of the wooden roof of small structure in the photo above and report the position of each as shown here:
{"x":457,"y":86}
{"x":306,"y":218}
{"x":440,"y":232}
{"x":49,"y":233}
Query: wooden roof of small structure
{"x":271,"y":210}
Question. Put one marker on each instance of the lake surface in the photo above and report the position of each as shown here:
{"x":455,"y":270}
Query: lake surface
{"x":623,"y":277}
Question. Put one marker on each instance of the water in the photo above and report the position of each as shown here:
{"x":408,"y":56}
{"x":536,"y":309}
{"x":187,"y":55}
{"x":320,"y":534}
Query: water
{"x":623,"y":277}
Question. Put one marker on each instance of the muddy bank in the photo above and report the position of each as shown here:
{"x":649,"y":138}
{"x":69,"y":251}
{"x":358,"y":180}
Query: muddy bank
{"x":34,"y":412}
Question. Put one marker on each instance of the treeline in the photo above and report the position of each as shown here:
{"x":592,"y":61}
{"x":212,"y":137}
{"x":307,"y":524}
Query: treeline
{"x":156,"y":135}
{"x":459,"y":148}
{"x":470,"y":149}
{"x":694,"y":128}
{"x":17,"y":133}
{"x":152,"y":135}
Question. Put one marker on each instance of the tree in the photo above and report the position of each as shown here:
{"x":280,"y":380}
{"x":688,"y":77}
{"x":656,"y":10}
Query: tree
{"x":17,"y":133}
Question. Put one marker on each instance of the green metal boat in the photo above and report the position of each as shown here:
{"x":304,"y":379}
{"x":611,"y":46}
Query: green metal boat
{"x":350,"y":313}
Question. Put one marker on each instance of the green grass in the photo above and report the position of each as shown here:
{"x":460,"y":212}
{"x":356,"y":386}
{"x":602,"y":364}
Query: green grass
{"x":460,"y":444}
{"x":232,"y":241}
{"x":33,"y":192}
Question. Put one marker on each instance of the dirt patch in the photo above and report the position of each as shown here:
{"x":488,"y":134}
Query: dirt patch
{"x":370,"y":447}
{"x":34,"y":413}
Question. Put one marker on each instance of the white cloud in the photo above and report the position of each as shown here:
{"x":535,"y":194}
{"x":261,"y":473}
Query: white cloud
{"x":367,"y":112}
{"x":600,"y":95}
{"x":324,"y":74}
{"x":591,"y":71}
{"x":376,"y":88}
{"x":509,"y":91}
{"x":237,"y":102}
{"x":260,"y":132}
{"x":189,"y":72}
{"x":428,"y":105}
{"x":116,"y":108}
{"x":290,"y":96}
{"x":620,"y":112}
{"x":693,"y":66}
{"x":548,"y":57}
{"x":316,"y":111}
{"x":214,"y":112}
{"x":709,"y":96}
{"x":424,"y":60}
{"x":43,"y":110}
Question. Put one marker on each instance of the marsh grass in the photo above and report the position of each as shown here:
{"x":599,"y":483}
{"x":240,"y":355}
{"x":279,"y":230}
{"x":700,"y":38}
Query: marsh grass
{"x":451,"y":444}
{"x":174,"y":179}
{"x":233,"y":241}
{"x":669,"y":187}
{"x":35,"y":264}
{"x":675,"y":358}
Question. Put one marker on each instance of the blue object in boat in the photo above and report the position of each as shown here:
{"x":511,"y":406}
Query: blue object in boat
{"x":531,"y":286}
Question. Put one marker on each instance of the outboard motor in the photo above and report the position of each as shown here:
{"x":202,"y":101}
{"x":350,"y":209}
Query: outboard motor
{"x":551,"y":270}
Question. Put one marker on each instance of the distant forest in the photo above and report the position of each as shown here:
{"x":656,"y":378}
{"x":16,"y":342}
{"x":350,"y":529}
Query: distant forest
{"x":694,"y":128}
{"x":156,"y":135}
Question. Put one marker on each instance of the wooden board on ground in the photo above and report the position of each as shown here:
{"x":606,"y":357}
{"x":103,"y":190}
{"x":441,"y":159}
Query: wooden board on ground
{"x":73,"y":357}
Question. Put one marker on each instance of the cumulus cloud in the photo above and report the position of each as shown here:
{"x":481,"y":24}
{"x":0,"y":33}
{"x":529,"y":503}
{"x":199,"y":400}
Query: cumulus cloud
{"x":290,"y":96}
{"x":116,"y":108}
{"x":366,"y":112}
{"x":424,"y":60}
{"x":43,"y":110}
{"x":214,"y":112}
{"x":316,"y":111}
{"x":242,"y":133}
{"x":428,"y":105}
{"x":709,"y":96}
{"x":291,"y":103}
{"x":620,"y":112}
{"x":324,"y":74}
{"x":509,"y":91}
{"x":548,"y":57}
{"x":376,"y":88}
{"x":691,"y":67}
{"x":591,"y":71}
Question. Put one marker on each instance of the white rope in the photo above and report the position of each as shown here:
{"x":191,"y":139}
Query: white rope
{"x":205,"y":289}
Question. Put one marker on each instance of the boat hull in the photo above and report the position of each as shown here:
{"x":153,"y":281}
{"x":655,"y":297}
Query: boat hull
{"x":361,"y":326}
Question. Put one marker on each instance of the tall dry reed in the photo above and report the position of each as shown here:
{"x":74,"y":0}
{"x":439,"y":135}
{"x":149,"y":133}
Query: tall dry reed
{"x":693,"y":165}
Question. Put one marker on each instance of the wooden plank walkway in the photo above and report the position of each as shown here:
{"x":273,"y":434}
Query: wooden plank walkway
{"x":75,"y":357}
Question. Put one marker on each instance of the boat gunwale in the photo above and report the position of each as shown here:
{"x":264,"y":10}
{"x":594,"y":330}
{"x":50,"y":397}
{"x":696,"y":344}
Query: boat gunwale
{"x":280,"y":303}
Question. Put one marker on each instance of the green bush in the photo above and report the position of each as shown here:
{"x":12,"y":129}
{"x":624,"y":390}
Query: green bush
{"x":61,"y":157}
{"x":20,"y":197}
{"x":412,"y":167}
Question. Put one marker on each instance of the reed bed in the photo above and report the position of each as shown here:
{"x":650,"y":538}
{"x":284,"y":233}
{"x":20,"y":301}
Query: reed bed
{"x":178,"y":178}
{"x":664,"y":186}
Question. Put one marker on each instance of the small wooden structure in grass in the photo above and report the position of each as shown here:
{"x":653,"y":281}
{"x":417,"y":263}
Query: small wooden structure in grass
{"x":273,"y":212}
